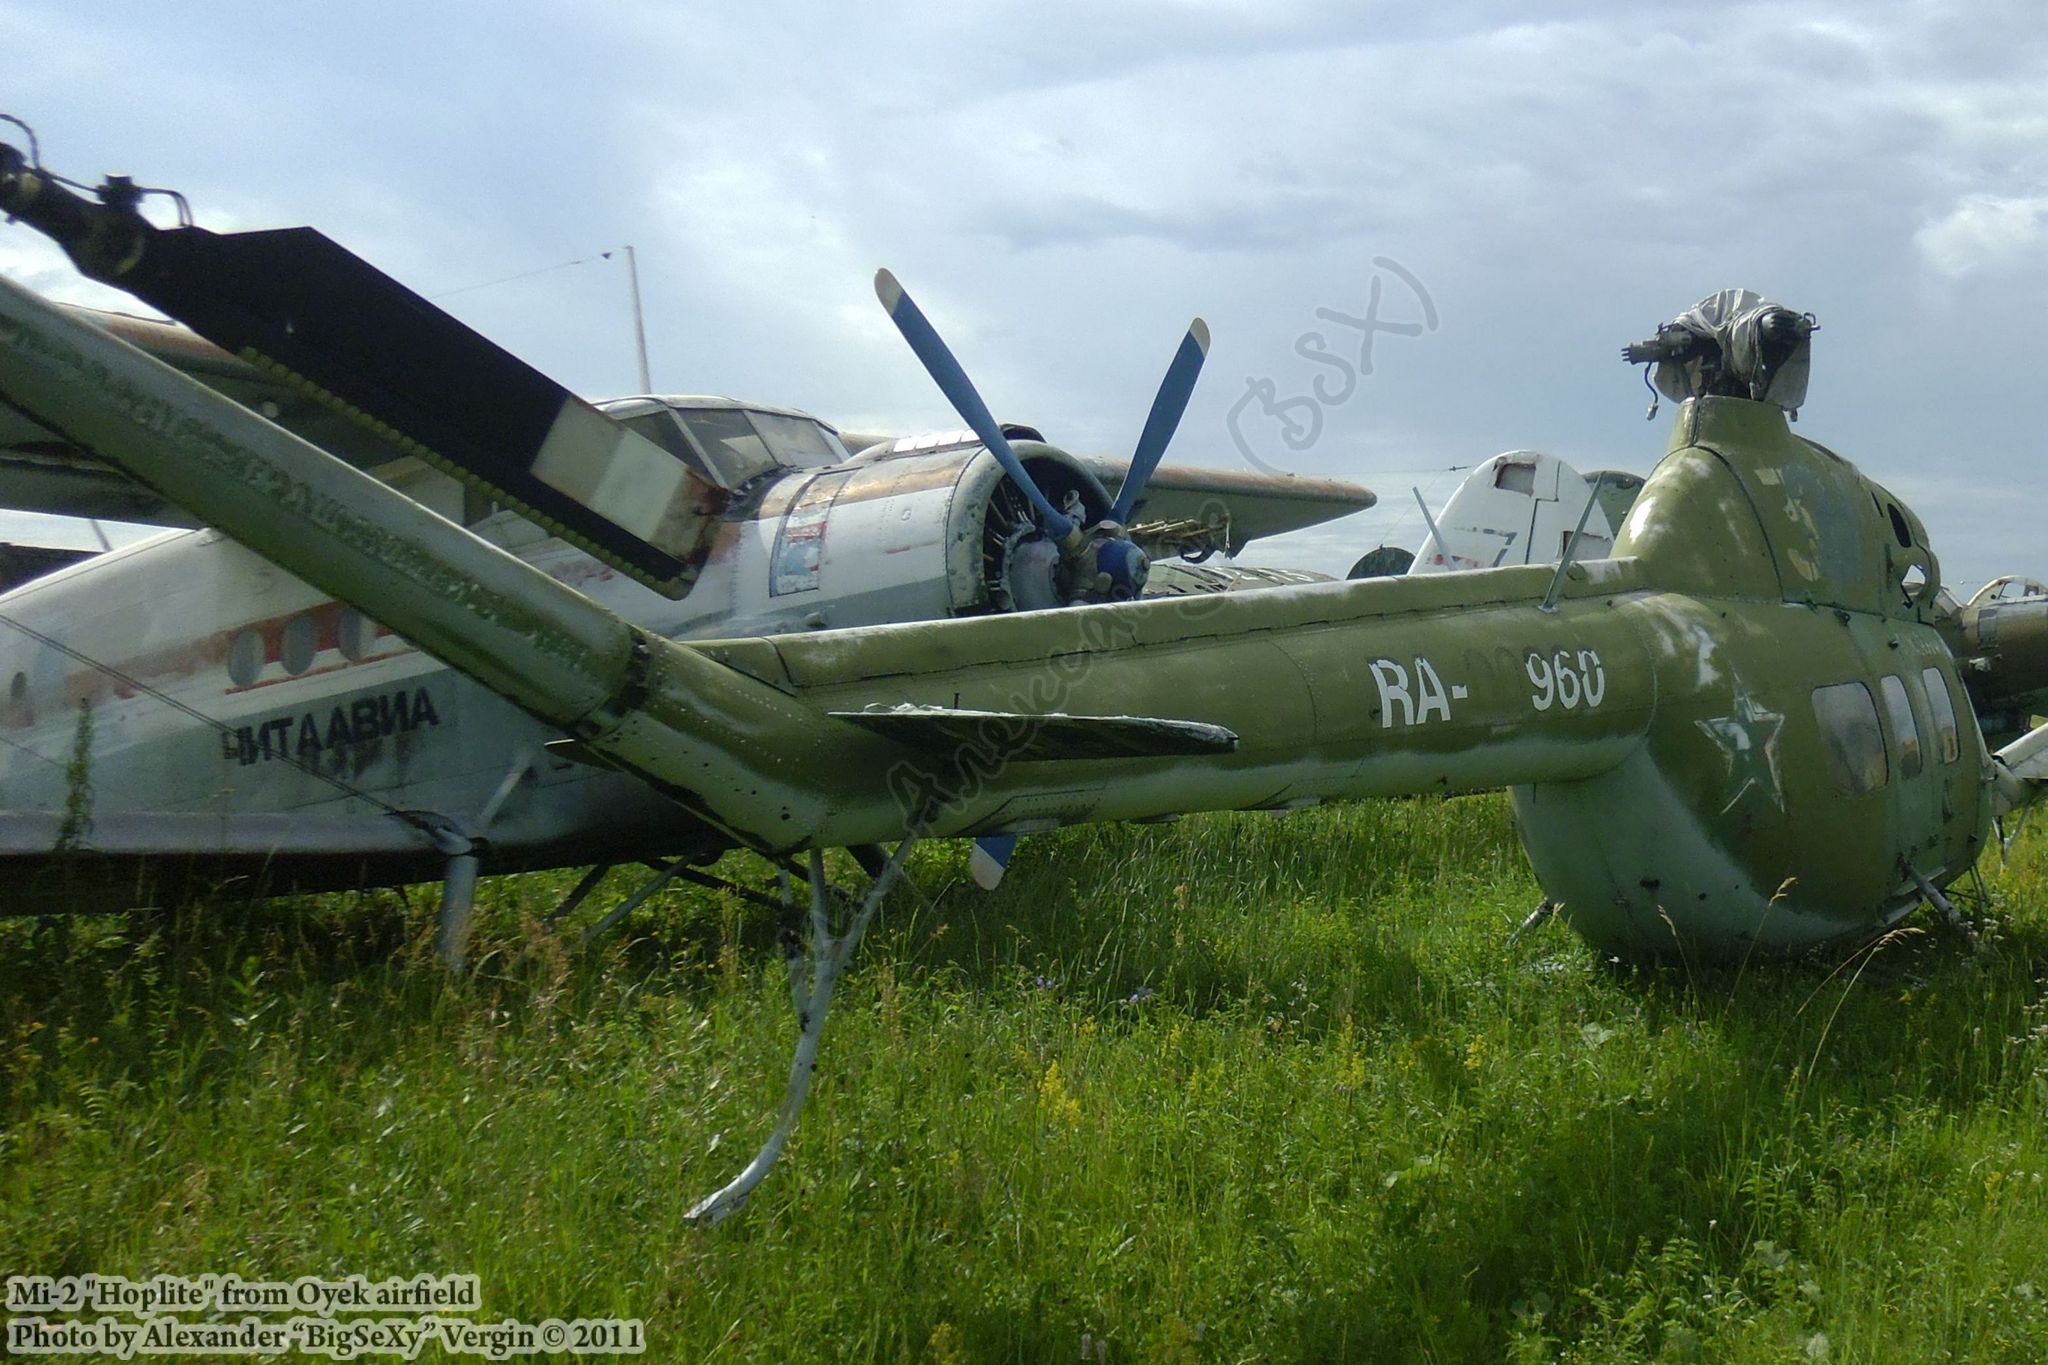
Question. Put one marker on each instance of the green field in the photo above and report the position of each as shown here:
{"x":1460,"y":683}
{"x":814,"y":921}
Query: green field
{"x":1242,"y":1088}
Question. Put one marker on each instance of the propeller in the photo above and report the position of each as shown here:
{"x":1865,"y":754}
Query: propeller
{"x":1104,"y":550}
{"x":1167,"y":406}
{"x":959,"y":390}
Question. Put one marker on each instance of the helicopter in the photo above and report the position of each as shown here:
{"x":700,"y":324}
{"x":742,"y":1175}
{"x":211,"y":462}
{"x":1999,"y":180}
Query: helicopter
{"x":1741,"y":733}
{"x":250,"y":730}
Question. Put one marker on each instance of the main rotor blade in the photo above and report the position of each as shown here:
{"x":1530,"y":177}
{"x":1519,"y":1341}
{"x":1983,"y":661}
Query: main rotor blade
{"x":959,"y":390}
{"x":315,"y":316}
{"x":1167,"y":407}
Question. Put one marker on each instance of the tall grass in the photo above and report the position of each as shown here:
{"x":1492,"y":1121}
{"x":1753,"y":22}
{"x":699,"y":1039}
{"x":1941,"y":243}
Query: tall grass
{"x":1241,"y":1088}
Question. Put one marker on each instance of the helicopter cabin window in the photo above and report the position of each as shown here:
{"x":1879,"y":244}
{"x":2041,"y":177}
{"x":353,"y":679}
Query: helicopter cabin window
{"x":1516,"y":477}
{"x":1851,"y":737}
{"x":1899,"y":707}
{"x":1900,"y":531}
{"x":1944,"y":708}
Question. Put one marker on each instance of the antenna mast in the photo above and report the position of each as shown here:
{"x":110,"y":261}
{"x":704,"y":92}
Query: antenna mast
{"x":639,"y":323}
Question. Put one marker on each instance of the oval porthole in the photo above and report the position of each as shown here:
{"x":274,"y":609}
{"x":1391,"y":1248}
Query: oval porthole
{"x":354,"y":631}
{"x":245,"y":659}
{"x":301,"y":643}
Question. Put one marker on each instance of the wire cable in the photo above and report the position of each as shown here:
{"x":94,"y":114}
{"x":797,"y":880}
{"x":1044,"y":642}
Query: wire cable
{"x":412,"y":818}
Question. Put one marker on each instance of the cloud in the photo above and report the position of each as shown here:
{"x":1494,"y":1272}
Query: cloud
{"x":1234,"y":223}
{"x":38,"y":263}
{"x":1062,"y":185}
{"x":1984,"y":232}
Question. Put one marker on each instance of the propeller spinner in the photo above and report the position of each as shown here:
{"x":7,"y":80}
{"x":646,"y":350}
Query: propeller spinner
{"x":1098,"y":562}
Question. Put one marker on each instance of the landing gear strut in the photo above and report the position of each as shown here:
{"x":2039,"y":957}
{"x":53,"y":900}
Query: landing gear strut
{"x":828,"y":958}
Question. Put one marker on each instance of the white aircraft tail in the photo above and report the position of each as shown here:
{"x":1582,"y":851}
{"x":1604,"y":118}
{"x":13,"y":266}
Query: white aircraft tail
{"x":1516,"y":508}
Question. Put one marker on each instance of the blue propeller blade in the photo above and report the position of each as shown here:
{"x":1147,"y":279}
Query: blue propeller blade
{"x":1167,"y":408}
{"x":990,"y":858}
{"x":959,"y":390}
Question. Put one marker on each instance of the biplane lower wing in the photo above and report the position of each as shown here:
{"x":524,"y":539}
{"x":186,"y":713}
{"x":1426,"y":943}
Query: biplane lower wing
{"x":121,"y":859}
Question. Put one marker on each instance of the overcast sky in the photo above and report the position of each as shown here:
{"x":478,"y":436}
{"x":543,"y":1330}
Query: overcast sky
{"x":1062,"y":186}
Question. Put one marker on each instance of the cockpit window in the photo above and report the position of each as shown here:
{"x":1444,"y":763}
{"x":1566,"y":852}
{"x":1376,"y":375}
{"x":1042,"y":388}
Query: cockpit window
{"x":731,"y":446}
{"x":734,"y":449}
{"x":660,"y":427}
{"x":742,"y":444}
{"x":798,"y":440}
{"x":1516,"y":477}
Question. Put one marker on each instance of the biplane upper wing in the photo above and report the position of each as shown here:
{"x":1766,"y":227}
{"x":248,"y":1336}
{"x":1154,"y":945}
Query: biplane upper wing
{"x":1246,"y":504}
{"x":1253,"y":504}
{"x":42,"y":470}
